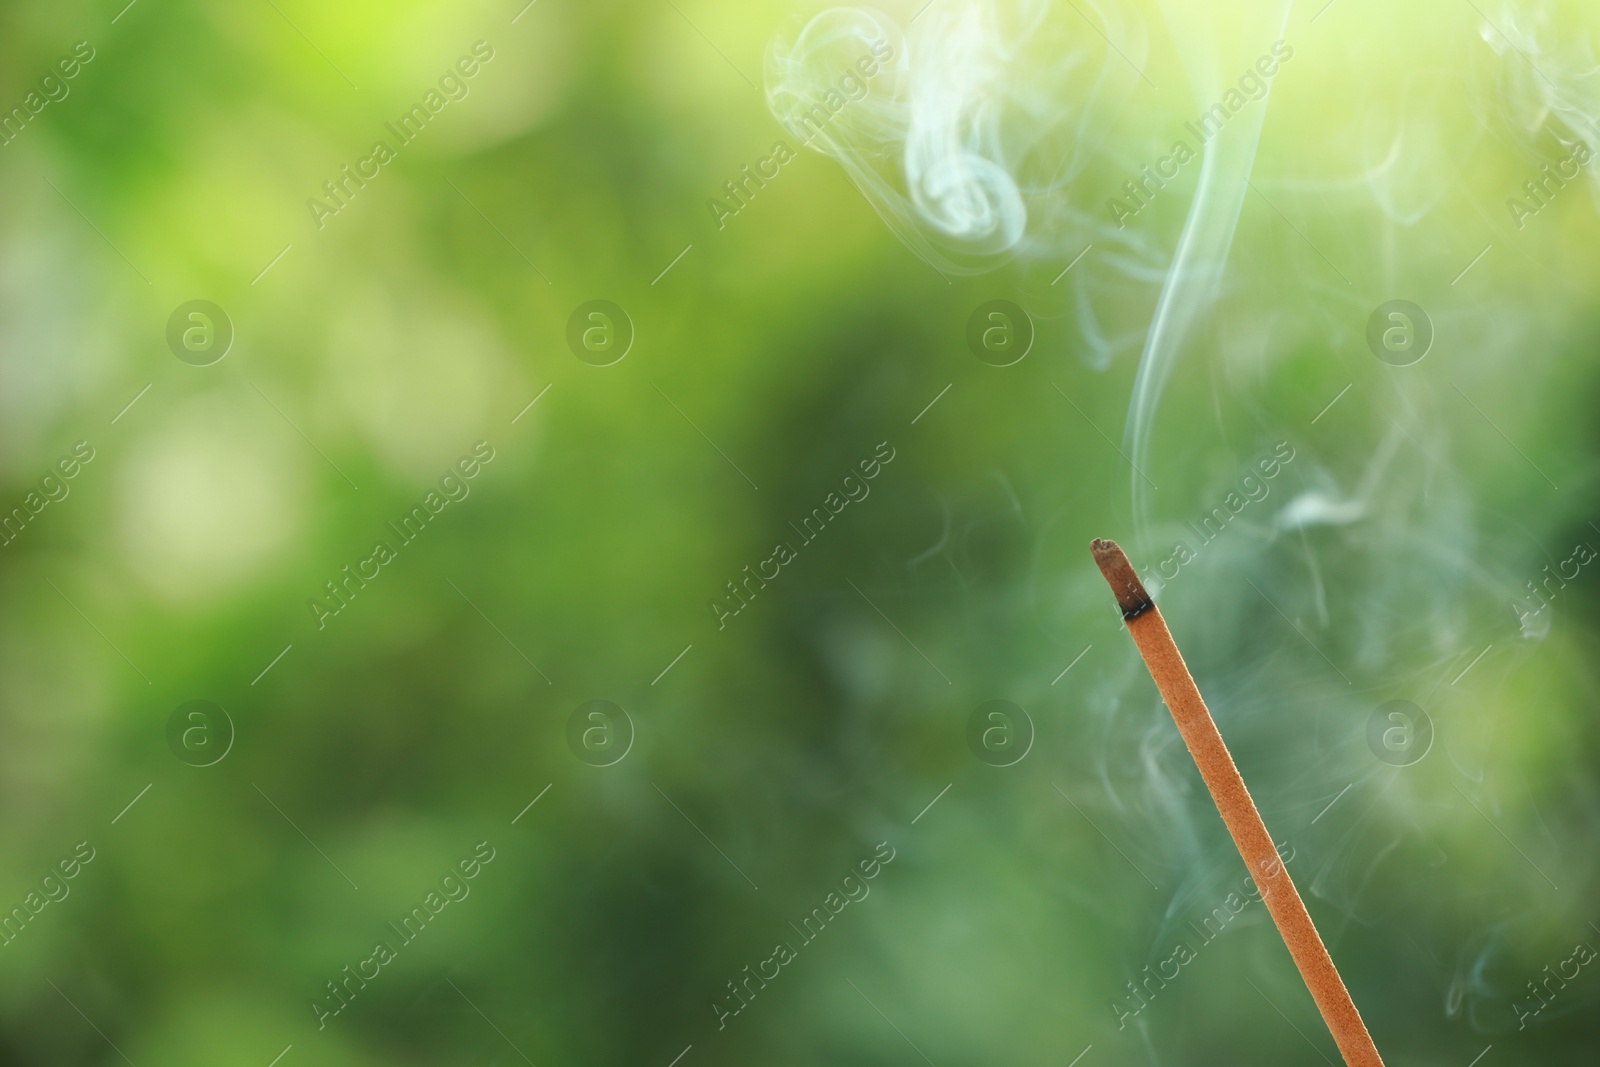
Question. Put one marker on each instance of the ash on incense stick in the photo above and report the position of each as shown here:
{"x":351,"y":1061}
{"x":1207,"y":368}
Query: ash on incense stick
{"x":1182,"y":697}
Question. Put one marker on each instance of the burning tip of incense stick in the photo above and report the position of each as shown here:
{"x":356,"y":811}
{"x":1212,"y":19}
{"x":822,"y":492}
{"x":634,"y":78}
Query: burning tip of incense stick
{"x":1113,"y":563}
{"x":1200,"y":735}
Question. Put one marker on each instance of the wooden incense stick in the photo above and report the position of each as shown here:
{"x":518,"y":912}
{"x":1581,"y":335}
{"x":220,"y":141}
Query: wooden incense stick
{"x":1239,"y":812}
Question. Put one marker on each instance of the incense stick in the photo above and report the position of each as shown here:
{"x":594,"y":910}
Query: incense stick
{"x":1227,"y":788}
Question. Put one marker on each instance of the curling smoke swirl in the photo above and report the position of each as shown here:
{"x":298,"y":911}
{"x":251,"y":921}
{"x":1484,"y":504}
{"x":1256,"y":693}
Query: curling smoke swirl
{"x":966,"y":160}
{"x":976,"y":145}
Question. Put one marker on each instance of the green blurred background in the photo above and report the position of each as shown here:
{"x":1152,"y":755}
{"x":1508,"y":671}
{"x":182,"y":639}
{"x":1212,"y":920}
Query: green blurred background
{"x":762,"y":761}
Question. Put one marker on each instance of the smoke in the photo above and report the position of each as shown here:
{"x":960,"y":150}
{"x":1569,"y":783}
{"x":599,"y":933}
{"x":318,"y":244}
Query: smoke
{"x":1549,"y":78}
{"x":1377,"y":570}
{"x":969,"y":140}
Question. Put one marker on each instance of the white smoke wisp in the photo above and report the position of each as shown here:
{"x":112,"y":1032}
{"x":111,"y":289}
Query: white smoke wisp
{"x":971,"y":141}
{"x":1201,"y":256}
{"x":955,"y":156}
{"x":968,"y":137}
{"x":1549,"y":79}
{"x":1391,"y":561}
{"x":1413,"y":132}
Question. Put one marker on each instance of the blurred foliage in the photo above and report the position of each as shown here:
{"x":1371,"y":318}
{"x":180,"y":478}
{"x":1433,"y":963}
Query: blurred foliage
{"x":771,"y":355}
